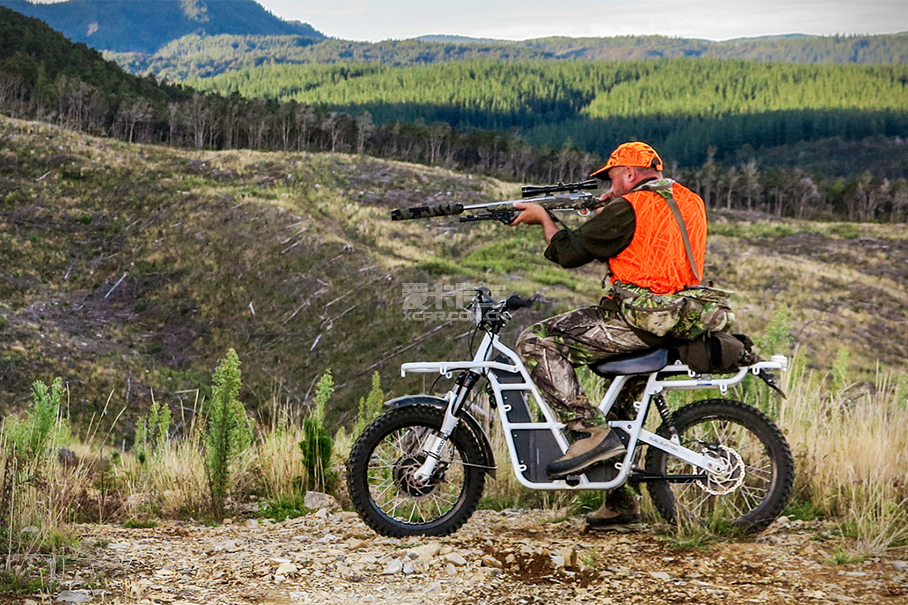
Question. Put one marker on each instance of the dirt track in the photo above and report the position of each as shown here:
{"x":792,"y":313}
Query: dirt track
{"x":512,"y":557}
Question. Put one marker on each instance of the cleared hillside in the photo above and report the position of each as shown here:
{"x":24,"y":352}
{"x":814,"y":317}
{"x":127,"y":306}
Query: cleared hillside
{"x":127,"y":268}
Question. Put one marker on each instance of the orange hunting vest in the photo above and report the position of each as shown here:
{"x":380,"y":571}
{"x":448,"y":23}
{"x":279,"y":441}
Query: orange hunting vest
{"x":656,"y":258}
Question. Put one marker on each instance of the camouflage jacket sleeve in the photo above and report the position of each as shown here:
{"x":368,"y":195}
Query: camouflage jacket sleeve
{"x":600,"y":238}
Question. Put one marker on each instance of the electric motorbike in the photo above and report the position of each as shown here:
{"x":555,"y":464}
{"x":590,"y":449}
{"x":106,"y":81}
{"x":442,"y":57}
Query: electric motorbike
{"x":420,"y":468}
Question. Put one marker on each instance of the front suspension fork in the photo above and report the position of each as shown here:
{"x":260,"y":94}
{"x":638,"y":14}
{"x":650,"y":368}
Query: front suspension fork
{"x":434,"y":443}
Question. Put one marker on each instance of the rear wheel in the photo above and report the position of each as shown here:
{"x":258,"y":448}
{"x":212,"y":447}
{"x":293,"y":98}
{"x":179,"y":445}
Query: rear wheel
{"x":754,"y":489}
{"x":380,"y":475}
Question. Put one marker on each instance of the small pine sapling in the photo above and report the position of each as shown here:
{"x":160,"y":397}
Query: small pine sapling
{"x":43,"y":427}
{"x":151,"y":432}
{"x":317,"y":444}
{"x":370,"y":405}
{"x":31,"y":443}
{"x":229,"y":431}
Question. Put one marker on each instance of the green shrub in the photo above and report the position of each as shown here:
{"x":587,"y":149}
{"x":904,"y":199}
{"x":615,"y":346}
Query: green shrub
{"x":286,"y":506}
{"x":439,"y":267}
{"x":369,"y":406}
{"x":229,"y":431}
{"x":30,"y":445}
{"x":151,"y":432}
{"x":317,"y":444}
{"x":777,"y":336}
{"x":33,"y":438}
{"x":840,"y":369}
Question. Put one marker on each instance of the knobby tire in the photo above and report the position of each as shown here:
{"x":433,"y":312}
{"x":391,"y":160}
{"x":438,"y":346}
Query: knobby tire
{"x":765,"y":459}
{"x":384,"y":458}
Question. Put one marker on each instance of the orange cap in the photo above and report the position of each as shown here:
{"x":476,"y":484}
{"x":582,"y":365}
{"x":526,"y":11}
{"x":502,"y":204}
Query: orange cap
{"x":635,"y":154}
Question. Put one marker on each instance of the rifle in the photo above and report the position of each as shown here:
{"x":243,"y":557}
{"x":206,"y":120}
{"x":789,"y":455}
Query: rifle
{"x":561,"y":197}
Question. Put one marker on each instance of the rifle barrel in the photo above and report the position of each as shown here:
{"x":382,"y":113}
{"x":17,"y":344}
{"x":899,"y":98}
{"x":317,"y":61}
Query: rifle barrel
{"x":406,"y":214}
{"x":565,"y":201}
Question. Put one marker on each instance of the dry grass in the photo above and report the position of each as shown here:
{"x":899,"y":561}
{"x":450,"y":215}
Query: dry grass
{"x":279,"y":460}
{"x":851,"y":449}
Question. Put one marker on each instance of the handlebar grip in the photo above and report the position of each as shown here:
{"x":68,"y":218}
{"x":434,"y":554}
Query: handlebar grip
{"x":406,"y":214}
{"x":515,"y":302}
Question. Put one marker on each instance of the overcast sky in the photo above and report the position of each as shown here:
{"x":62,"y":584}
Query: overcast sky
{"x":519,"y":20}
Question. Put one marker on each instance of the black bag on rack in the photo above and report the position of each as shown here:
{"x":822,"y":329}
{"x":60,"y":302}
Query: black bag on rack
{"x":718,"y":353}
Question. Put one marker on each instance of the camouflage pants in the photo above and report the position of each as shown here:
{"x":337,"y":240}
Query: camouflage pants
{"x":552,"y":349}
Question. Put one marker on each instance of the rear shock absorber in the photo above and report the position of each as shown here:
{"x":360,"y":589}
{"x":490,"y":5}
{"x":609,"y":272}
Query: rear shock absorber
{"x":666,"y":415}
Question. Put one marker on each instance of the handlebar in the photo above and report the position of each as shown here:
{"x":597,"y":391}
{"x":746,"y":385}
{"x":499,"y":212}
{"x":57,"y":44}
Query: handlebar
{"x":496,"y":314}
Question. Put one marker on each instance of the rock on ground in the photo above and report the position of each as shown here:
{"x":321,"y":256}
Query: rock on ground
{"x":510,"y":557}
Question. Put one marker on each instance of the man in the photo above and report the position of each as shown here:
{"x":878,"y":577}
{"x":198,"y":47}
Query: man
{"x":639,"y":236}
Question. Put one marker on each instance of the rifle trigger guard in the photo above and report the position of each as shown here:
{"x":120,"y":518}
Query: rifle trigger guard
{"x":506,"y":216}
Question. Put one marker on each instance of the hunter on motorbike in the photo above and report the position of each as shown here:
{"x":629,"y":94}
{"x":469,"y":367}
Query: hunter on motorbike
{"x":652,"y":236}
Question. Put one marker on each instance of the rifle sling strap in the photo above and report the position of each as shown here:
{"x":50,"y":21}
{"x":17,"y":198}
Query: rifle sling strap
{"x":673,"y":205}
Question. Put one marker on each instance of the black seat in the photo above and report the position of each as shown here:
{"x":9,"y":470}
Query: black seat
{"x":631,"y":363}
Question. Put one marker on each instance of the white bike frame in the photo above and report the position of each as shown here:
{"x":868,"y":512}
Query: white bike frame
{"x":481,"y":364}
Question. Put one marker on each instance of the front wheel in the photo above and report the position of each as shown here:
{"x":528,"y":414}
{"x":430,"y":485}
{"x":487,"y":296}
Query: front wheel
{"x":755,"y":488}
{"x":380,"y":475}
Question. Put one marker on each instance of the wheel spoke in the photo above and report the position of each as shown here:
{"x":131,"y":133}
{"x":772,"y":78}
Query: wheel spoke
{"x":748,"y":492}
{"x":696,"y":507}
{"x":384,"y":491}
{"x":396,"y":494}
{"x":759,"y":473}
{"x":732,"y":501}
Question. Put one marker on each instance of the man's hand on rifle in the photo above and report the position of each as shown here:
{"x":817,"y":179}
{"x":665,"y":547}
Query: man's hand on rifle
{"x":530,"y":214}
{"x":534,"y":214}
{"x":608,"y":195}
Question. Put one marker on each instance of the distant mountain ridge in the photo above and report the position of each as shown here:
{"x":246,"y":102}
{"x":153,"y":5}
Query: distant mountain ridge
{"x":195,"y":56}
{"x":145,"y":26}
{"x":181,"y":39}
{"x":792,"y":48}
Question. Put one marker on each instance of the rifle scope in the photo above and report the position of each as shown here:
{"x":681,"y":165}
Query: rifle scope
{"x":534,"y":190}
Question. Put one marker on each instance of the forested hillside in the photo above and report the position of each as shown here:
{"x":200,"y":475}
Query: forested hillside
{"x":687,"y":106}
{"x":196,"y":56}
{"x":147,"y":25}
{"x":880,"y":49}
{"x":202,"y":57}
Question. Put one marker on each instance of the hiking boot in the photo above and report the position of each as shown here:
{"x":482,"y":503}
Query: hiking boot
{"x":621,"y":507}
{"x":619,"y":520}
{"x":607,"y":517}
{"x":602,"y":444}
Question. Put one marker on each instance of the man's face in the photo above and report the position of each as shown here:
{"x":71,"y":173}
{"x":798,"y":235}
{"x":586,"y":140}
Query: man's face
{"x":622,"y":178}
